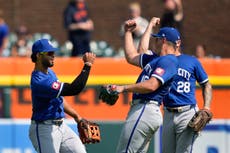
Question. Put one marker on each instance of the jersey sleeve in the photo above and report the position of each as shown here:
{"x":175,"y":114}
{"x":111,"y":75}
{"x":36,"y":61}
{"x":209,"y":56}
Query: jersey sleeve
{"x":5,"y":31}
{"x":165,"y":69}
{"x":200,"y":73}
{"x":67,"y":17}
{"x":146,"y":58}
{"x":47,"y":87}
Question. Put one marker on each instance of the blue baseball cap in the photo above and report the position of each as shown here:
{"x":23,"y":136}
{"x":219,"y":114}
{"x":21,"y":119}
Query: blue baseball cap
{"x":43,"y":45}
{"x":171,"y":34}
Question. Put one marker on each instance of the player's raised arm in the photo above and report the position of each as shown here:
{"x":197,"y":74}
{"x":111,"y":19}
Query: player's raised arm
{"x":80,"y":81}
{"x":131,"y":54}
{"x":144,"y":42}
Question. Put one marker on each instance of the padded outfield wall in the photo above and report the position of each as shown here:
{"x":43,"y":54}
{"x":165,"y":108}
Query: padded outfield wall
{"x":14,"y":84}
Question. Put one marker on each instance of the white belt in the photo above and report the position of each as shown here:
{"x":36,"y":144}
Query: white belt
{"x":140,"y":101}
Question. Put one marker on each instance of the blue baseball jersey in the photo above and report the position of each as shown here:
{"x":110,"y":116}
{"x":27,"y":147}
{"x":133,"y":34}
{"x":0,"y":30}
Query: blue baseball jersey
{"x":163,"y":68}
{"x":183,"y":88}
{"x":4,"y":31}
{"x":46,"y":100}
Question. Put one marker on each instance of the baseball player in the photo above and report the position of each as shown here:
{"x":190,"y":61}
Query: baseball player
{"x":144,"y":117}
{"x":48,"y":131}
{"x":180,"y":104}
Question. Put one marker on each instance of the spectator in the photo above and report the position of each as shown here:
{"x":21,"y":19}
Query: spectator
{"x":4,"y":32}
{"x":4,"y":93}
{"x":173,"y":14}
{"x":142,"y":23}
{"x":79,"y":26}
{"x":200,"y":51}
{"x":22,"y":47}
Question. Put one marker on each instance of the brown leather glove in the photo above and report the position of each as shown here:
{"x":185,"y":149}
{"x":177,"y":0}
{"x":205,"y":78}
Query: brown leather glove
{"x":89,"y":132}
{"x":200,"y":119}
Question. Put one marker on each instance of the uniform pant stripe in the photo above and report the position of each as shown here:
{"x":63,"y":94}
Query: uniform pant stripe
{"x":38,"y":140}
{"x":135,"y":125}
{"x":193,"y":137}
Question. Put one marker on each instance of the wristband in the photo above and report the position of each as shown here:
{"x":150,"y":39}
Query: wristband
{"x":88,"y":63}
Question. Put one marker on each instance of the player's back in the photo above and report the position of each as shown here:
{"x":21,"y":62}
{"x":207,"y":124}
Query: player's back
{"x":183,"y":88}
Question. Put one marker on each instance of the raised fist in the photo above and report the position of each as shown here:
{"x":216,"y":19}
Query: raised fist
{"x":130,"y":25}
{"x":89,"y":57}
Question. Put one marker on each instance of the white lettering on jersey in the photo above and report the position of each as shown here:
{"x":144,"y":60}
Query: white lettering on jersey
{"x":184,"y":73}
{"x":148,"y":69}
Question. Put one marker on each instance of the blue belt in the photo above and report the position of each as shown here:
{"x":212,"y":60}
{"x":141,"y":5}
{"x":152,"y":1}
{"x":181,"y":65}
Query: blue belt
{"x":180,"y":109}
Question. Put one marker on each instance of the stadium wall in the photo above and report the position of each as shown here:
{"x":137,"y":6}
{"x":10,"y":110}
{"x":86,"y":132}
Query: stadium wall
{"x":14,"y":84}
{"x":15,"y":78}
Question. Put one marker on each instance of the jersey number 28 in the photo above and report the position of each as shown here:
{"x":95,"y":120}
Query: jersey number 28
{"x":183,"y":87}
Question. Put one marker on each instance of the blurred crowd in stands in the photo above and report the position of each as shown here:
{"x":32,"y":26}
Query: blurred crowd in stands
{"x":77,"y":22}
{"x":19,"y":44}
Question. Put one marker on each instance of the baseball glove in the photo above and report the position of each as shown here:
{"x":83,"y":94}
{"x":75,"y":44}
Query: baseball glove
{"x":200,"y":119}
{"x":108,"y":94}
{"x":89,"y":132}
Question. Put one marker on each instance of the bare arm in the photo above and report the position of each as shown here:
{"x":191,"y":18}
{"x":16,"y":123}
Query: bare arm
{"x":70,"y":111}
{"x":207,"y":94}
{"x":4,"y":45}
{"x":143,"y":87}
{"x":131,"y":54}
{"x":179,"y":14}
{"x":144,"y":43}
{"x":88,"y":25}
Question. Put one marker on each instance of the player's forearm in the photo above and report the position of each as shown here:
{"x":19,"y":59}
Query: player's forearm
{"x":70,"y":111}
{"x":207,"y":94}
{"x":142,"y":87}
{"x":144,"y":43}
{"x":78,"y":84}
{"x":130,"y":50}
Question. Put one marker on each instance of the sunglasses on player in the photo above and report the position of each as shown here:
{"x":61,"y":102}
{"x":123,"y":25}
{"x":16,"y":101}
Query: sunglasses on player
{"x":47,"y":53}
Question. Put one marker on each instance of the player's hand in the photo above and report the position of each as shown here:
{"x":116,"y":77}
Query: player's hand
{"x":155,"y":21}
{"x":89,"y":58}
{"x":130,"y":25}
{"x":120,"y":89}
